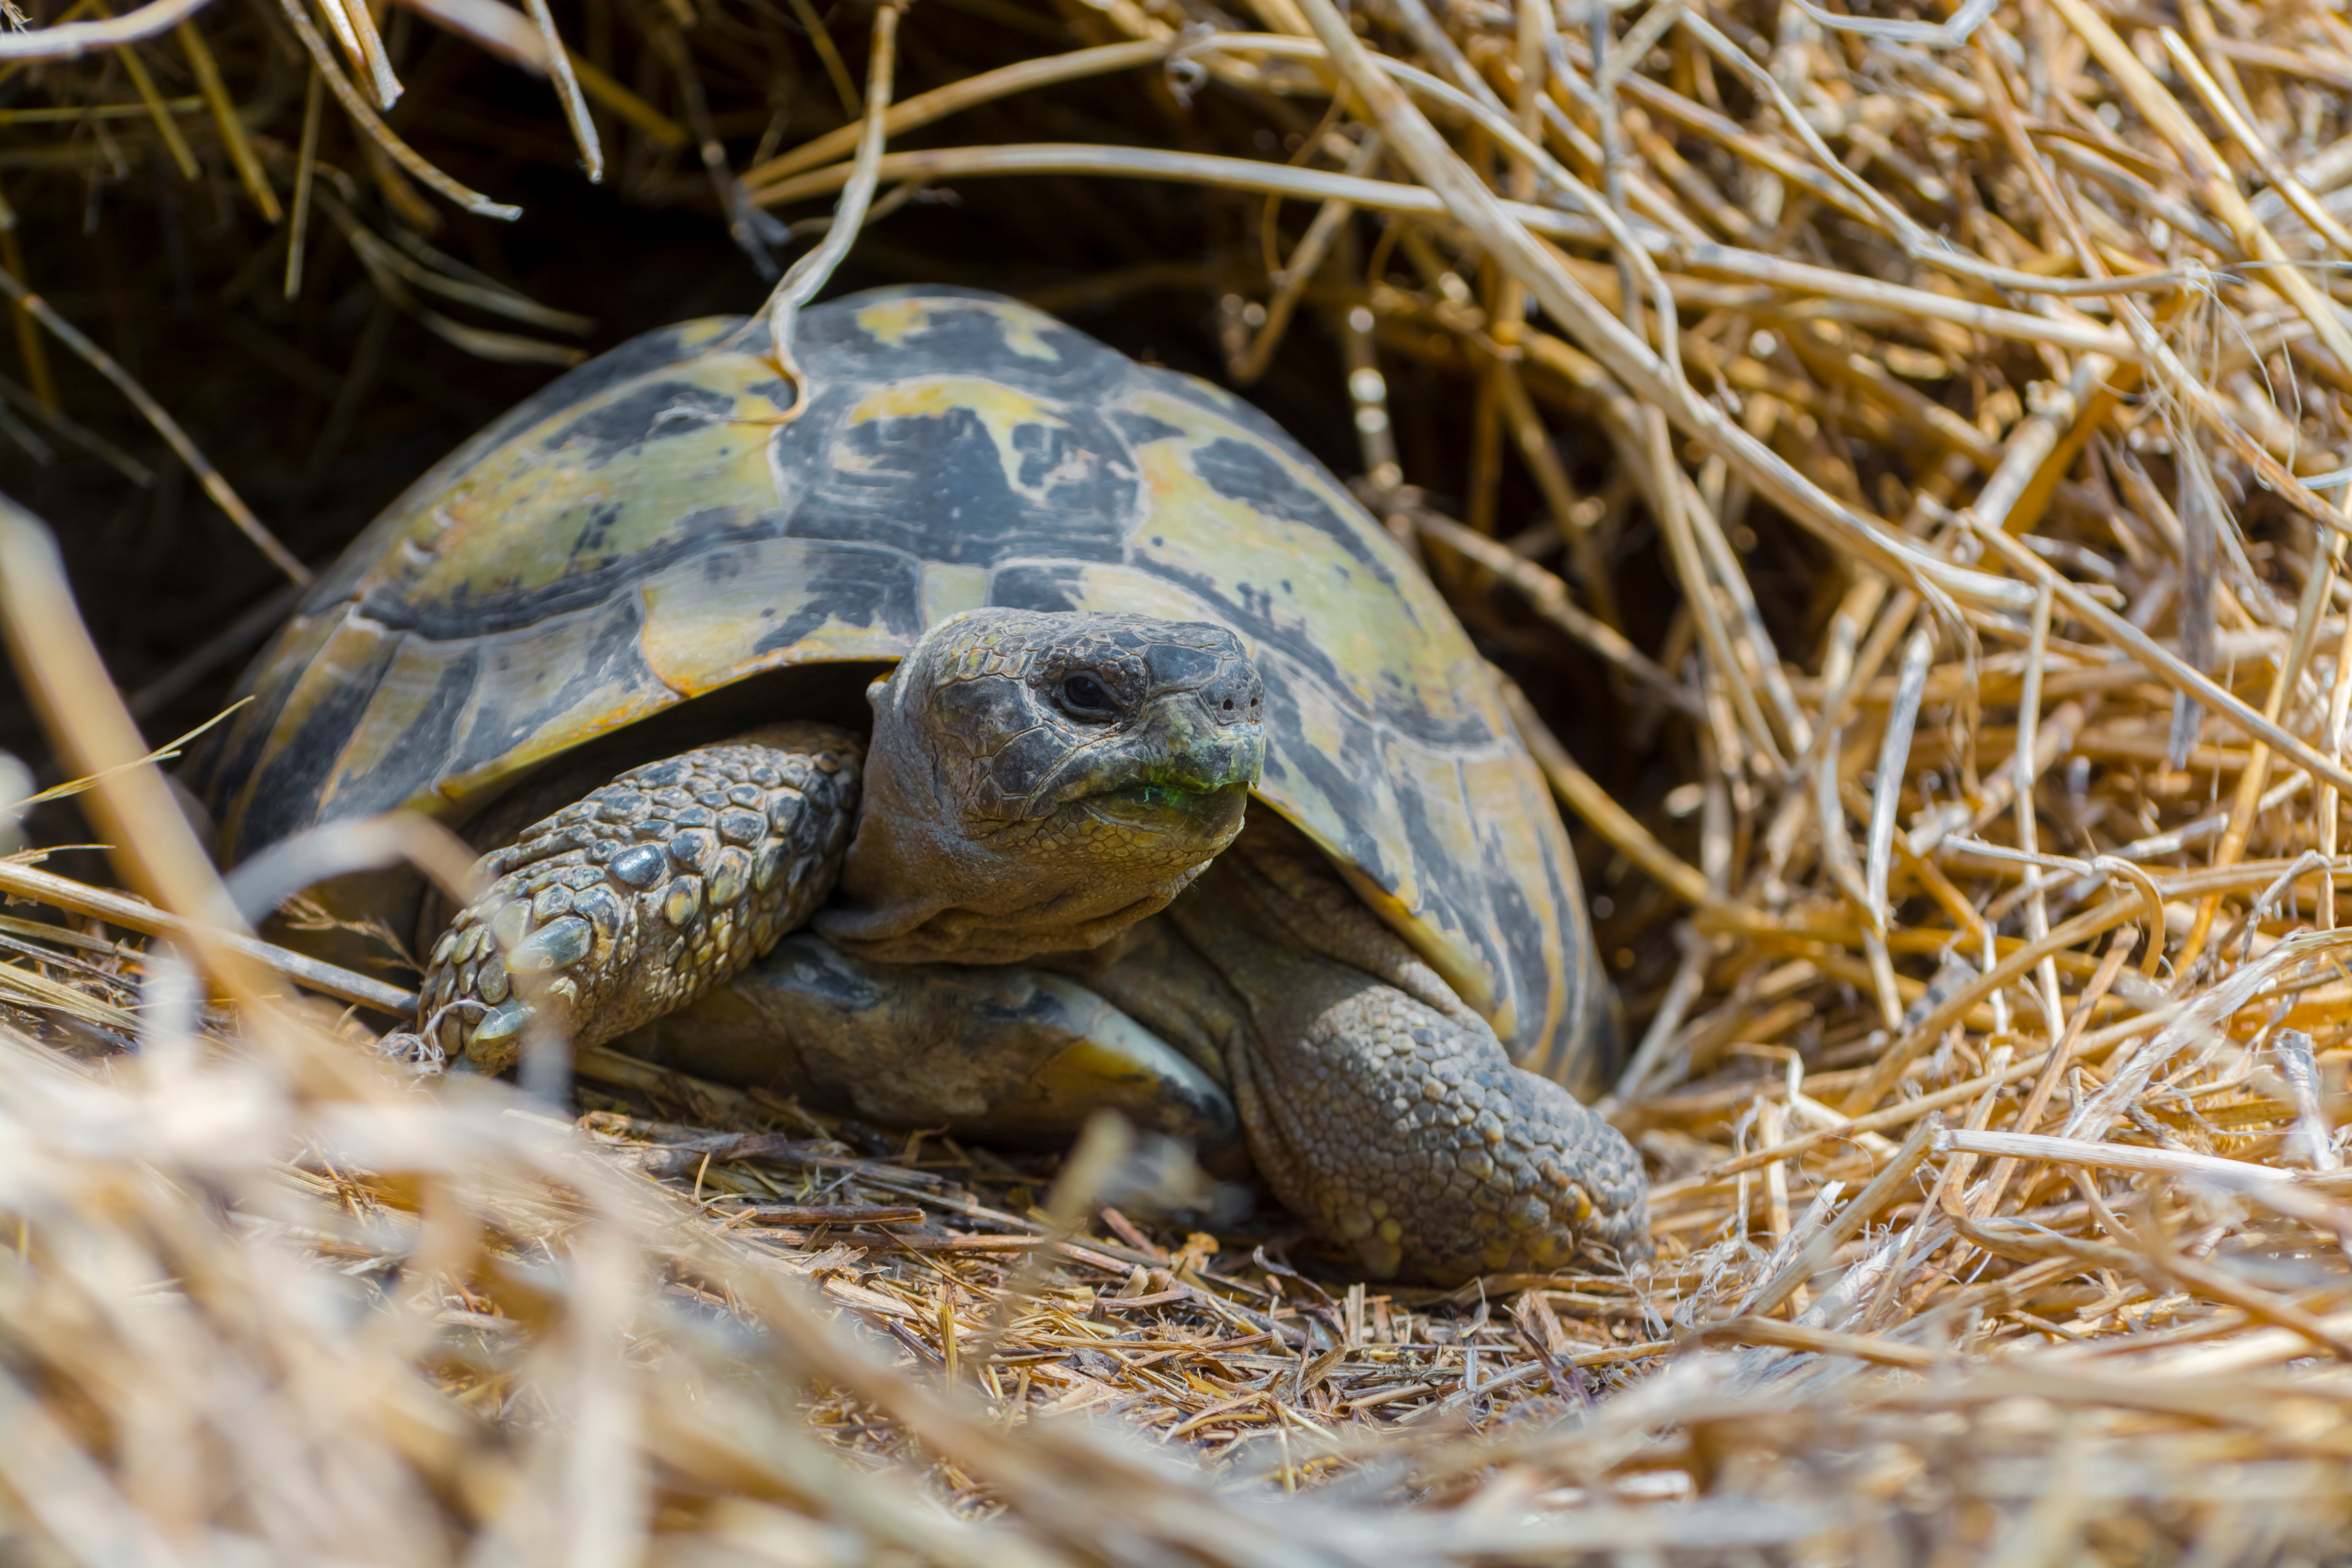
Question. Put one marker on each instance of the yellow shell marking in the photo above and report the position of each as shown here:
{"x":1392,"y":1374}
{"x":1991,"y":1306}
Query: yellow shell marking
{"x":1021,"y":329}
{"x":891,"y":322}
{"x":468,"y":543}
{"x":699,"y":630}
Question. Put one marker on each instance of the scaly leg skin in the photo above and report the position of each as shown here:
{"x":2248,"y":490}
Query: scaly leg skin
{"x":639,"y":898}
{"x":1380,"y":1106}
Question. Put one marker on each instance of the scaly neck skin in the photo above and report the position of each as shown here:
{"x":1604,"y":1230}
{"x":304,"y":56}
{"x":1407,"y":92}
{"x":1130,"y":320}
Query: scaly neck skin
{"x":1038,"y":782}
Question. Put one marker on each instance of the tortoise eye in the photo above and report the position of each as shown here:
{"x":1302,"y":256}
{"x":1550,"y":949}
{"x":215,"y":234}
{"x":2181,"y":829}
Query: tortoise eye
{"x":1084,"y":697}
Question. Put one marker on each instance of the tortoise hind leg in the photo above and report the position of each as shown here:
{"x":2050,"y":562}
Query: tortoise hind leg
{"x":641,"y":896}
{"x":1005,"y":1053}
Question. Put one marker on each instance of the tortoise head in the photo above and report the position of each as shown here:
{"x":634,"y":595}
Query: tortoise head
{"x":1039,"y":782}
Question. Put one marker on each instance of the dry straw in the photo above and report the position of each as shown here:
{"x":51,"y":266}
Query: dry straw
{"x":1992,"y":1076}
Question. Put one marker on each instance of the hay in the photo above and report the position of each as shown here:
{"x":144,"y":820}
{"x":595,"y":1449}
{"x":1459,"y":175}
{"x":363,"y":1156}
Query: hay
{"x":1814,"y":415}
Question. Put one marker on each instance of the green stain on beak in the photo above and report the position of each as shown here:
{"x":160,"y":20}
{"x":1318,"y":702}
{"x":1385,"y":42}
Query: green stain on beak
{"x":1166,"y":797}
{"x":1191,"y":772}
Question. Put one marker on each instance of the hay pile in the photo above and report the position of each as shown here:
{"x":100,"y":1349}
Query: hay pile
{"x":1898,"y":458}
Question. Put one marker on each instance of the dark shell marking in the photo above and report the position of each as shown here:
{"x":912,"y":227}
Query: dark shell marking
{"x":643,"y":530}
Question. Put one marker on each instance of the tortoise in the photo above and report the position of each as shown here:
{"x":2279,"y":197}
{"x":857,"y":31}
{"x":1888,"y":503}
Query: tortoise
{"x":898,"y":740}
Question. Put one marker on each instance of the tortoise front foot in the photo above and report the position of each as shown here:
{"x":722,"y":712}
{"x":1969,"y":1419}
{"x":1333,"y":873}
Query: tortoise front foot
{"x":1408,"y":1134}
{"x":1381,"y":1107}
{"x":640,"y":896}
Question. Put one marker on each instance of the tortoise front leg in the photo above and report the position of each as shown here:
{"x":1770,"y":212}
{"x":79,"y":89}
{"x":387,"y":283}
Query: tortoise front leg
{"x":640,"y":896}
{"x":1378,"y":1106}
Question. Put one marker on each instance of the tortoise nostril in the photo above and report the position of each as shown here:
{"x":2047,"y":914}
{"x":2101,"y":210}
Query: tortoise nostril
{"x":1229,"y":704}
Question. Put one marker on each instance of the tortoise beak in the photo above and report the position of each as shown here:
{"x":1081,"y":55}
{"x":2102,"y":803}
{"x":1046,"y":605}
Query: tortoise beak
{"x":1187,"y":767}
{"x":1210,"y":816}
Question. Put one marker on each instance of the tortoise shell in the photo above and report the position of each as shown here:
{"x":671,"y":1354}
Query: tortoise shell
{"x":648,"y":528}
